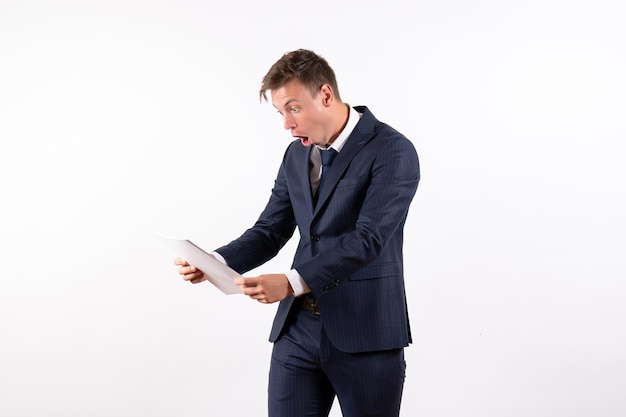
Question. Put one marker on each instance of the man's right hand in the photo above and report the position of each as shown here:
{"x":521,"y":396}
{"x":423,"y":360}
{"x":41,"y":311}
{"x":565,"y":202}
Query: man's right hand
{"x":189,"y":272}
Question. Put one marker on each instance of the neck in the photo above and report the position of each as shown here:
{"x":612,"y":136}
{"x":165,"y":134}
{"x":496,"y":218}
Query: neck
{"x":341,"y":116}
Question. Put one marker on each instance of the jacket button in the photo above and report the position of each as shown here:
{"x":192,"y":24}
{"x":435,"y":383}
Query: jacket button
{"x":315,"y":238}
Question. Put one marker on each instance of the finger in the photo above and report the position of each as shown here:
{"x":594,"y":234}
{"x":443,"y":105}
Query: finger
{"x":180,"y":261}
{"x":246,"y":282}
{"x":258,"y":297}
{"x":197,"y":280}
{"x":194,"y":276}
{"x":188,"y":269}
{"x":250,"y":291}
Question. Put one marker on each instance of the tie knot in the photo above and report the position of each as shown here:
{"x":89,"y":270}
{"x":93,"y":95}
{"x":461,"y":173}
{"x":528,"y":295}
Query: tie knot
{"x":327,"y":156}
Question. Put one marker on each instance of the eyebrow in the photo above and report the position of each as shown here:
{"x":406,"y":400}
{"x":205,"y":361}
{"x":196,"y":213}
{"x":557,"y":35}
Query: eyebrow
{"x":286,"y":103}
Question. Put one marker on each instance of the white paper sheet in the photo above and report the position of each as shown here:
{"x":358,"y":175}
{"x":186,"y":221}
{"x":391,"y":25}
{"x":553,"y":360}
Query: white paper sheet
{"x":216,"y":272}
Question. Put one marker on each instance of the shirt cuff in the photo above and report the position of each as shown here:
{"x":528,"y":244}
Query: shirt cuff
{"x":218,"y":257}
{"x":298,"y":285}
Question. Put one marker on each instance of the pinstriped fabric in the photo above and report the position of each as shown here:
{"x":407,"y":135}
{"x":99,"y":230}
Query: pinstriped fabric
{"x":307,"y":371}
{"x":350,"y":248}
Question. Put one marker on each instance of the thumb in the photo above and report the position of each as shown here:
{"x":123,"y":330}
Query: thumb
{"x":240,"y":281}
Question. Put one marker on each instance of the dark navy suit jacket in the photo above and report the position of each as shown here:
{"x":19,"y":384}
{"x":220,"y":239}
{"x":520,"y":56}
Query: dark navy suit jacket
{"x":350,"y":250}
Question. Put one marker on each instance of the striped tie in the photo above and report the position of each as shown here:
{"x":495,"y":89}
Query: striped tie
{"x":327,"y":160}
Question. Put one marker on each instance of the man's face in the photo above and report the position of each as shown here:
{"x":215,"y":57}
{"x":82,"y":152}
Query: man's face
{"x":306,"y":116}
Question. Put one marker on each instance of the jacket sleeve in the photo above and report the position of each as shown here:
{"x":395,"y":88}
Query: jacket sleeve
{"x":268,"y":235}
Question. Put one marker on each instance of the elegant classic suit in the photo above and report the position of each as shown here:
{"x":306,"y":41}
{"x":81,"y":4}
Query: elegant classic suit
{"x":350,"y":249}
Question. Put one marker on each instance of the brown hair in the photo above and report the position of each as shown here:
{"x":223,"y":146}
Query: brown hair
{"x":303,"y":65}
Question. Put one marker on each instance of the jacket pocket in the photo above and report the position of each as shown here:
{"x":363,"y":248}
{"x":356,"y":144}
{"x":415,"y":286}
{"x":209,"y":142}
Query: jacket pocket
{"x":347,"y":182}
{"x":376,"y":271}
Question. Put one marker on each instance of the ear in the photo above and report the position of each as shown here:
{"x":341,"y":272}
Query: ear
{"x":327,"y":94}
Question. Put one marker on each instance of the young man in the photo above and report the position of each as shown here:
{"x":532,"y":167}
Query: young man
{"x":342,"y":323}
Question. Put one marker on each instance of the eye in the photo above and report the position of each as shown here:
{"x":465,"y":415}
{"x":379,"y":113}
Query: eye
{"x":294,"y":109}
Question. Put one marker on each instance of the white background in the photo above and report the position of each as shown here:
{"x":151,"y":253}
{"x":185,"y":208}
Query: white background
{"x":122,"y":118}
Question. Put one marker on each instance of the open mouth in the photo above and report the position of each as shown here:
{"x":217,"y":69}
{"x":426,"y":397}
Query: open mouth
{"x":305,"y":140}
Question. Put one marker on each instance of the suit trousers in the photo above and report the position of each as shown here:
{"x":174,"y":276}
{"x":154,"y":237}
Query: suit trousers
{"x":307,"y":372}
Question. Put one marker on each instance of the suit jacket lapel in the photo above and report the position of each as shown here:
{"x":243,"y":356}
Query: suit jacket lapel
{"x":363,"y":133}
{"x":305,"y":174}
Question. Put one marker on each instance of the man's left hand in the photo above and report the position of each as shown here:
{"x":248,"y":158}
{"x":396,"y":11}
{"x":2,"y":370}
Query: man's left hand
{"x":267,"y":288}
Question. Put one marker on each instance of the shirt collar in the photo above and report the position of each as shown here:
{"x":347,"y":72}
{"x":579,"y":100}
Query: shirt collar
{"x":353,"y":119}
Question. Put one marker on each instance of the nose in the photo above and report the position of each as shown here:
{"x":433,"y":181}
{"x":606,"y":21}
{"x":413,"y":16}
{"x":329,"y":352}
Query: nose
{"x":288,"y":121}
